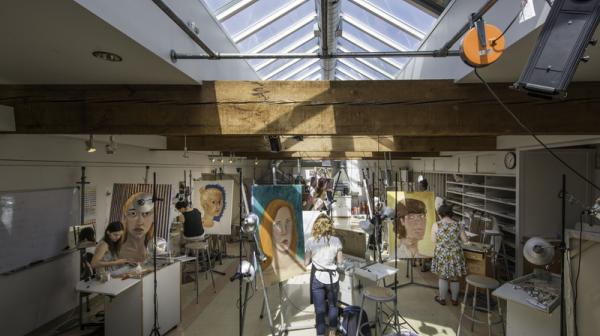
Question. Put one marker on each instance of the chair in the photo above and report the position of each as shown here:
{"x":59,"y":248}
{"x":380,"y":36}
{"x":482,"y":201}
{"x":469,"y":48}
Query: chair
{"x":483,"y":283}
{"x":200,"y":245}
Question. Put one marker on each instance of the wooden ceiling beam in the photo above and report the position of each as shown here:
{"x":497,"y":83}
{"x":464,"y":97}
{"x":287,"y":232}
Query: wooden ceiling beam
{"x":335,"y":143}
{"x":402,"y":108}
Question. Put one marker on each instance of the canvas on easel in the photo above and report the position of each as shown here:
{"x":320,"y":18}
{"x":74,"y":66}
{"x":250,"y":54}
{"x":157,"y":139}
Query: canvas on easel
{"x":281,"y":237}
{"x":214,"y":199}
{"x":415,"y":215}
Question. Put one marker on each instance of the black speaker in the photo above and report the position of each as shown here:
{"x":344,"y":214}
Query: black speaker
{"x":567,"y":32}
{"x":274,"y":143}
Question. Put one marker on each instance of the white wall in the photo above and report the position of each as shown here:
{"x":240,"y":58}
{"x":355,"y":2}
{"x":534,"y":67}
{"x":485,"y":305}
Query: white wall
{"x":468,"y":163}
{"x":30,"y":298}
{"x":452,"y":20}
{"x":146,"y":24}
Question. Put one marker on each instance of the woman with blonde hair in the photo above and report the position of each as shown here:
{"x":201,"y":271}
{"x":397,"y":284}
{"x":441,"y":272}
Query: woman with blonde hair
{"x":138,"y":218}
{"x":325,"y":252}
{"x":278,"y":240}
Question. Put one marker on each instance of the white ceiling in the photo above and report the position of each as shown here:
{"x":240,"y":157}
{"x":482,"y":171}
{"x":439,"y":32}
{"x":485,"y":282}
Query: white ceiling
{"x":509,"y":67}
{"x":51,"y":42}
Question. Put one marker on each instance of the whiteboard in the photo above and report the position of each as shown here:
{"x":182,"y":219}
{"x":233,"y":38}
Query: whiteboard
{"x":34,"y":225}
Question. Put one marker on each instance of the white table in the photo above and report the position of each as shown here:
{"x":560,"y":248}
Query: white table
{"x":129,"y":303}
{"x":524,"y":318}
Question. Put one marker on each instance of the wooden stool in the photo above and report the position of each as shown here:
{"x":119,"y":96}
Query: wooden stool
{"x":488,"y":284}
{"x":379,"y":295}
{"x":203,"y":246}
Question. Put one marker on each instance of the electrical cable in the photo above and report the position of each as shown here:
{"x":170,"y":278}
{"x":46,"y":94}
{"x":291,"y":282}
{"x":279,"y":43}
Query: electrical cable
{"x":528,"y":130}
{"x":523,"y":3}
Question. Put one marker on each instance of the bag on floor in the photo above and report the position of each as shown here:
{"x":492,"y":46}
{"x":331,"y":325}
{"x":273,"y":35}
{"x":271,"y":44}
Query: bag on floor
{"x":350,"y":321}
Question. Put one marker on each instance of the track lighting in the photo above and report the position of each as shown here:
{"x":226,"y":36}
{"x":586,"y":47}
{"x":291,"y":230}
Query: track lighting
{"x":256,"y":162}
{"x":185,"y":150}
{"x":111,"y":146}
{"x":89,"y":144}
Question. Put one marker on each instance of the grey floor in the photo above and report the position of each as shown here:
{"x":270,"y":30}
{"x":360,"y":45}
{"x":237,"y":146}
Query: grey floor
{"x":216,"y":313}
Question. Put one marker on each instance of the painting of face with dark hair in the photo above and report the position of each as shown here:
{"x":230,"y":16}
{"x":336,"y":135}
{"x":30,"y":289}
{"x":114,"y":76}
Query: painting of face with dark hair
{"x":415,"y":215}
{"x":214,"y":199}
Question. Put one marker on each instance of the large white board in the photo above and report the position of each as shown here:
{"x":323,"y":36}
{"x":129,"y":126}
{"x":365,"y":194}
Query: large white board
{"x":34,"y":225}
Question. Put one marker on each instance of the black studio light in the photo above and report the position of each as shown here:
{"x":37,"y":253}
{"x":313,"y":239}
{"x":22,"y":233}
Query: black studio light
{"x":274,"y":143}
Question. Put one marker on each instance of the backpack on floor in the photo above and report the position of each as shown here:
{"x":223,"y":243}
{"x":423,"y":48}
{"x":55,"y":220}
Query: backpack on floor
{"x":350,"y":321}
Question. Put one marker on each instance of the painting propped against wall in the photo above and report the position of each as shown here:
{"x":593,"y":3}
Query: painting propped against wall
{"x":214,"y":199}
{"x":415,"y":215}
{"x":279,"y":209}
{"x":132,"y":205}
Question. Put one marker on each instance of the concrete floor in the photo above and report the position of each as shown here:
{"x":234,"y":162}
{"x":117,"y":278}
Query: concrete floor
{"x":216,"y":312}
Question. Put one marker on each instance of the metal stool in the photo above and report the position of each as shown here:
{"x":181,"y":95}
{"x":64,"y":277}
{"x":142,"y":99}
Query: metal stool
{"x":203,"y":246}
{"x":488,"y":284}
{"x":379,"y":295}
{"x":498,"y":250}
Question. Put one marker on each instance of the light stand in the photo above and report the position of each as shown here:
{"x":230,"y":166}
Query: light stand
{"x":563,"y":250}
{"x":155,"y":328}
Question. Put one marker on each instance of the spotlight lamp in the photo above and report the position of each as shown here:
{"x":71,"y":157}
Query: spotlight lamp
{"x":256,"y":161}
{"x":274,"y":143}
{"x":89,"y":144}
{"x":111,"y":146}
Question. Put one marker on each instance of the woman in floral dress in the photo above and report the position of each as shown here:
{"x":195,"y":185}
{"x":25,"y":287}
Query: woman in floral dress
{"x":448,"y":260}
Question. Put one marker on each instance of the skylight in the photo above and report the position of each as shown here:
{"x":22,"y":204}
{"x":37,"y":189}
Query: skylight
{"x":292,"y":26}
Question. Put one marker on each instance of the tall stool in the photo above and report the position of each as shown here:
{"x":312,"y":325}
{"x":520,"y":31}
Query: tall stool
{"x":379,"y":295}
{"x":199,"y":246}
{"x":498,"y":251}
{"x":487,"y":284}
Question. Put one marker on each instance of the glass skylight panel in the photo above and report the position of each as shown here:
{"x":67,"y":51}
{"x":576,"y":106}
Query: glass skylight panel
{"x":272,"y":29}
{"x":214,"y":5}
{"x":388,"y":64}
{"x":356,"y":13}
{"x":287,"y":26}
{"x":408,"y":13}
{"x":274,"y":64}
{"x":310,"y":72}
{"x":346,"y":70}
{"x":296,"y":69}
{"x":363,"y":69}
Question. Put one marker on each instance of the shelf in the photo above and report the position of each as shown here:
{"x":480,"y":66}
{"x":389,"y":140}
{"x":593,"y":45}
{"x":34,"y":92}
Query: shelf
{"x":466,"y":184}
{"x":481,"y":196}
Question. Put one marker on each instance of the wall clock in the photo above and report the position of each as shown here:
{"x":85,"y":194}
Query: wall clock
{"x":510,"y":160}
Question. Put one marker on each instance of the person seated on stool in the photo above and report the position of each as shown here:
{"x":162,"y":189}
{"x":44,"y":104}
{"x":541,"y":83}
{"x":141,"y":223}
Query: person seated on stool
{"x":107,"y":252}
{"x":192,"y":221}
{"x":448,"y":258}
{"x":323,"y":250}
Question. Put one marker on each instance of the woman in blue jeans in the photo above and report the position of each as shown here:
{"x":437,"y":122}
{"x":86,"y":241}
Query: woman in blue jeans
{"x":325,"y":252}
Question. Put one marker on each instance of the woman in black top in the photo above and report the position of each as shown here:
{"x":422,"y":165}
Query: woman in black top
{"x":192,"y":220}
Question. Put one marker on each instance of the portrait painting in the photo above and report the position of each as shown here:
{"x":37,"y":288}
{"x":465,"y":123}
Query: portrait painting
{"x":214,"y":199}
{"x":133,"y":206}
{"x":415,"y":215}
{"x":280,"y":230}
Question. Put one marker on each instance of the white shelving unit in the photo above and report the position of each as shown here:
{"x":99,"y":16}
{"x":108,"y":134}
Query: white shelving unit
{"x":491,"y":196}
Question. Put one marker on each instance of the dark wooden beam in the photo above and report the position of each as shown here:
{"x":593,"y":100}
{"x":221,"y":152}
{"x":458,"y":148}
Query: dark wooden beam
{"x":402,"y":108}
{"x":335,"y":143}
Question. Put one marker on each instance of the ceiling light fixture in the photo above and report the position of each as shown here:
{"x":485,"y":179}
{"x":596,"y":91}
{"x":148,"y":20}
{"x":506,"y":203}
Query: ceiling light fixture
{"x":107,"y":56}
{"x":111,"y":146}
{"x":185,"y":150}
{"x":256,"y":161}
{"x":89,"y":144}
{"x":274,"y":143}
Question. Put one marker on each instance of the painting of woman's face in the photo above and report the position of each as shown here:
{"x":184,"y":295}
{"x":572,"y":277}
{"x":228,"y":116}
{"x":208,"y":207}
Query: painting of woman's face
{"x":415,"y":225}
{"x":138,"y":222}
{"x":282,"y":229}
